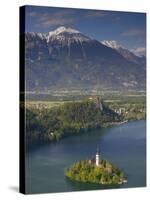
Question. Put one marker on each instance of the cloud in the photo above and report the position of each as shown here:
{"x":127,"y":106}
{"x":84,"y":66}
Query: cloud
{"x":95,"y":14}
{"x":62,"y":17}
{"x":133,"y":32}
{"x":140,"y":51}
{"x":54,"y":22}
{"x":53,"y":19}
{"x":32,"y":14}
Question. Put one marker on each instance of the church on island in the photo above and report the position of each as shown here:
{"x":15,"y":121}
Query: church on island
{"x":97,"y":160}
{"x":96,"y":170}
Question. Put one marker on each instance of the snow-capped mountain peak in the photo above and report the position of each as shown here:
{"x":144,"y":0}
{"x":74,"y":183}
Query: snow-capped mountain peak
{"x":71,"y":59}
{"x":63,"y":29}
{"x":111,"y":43}
{"x":126,"y":53}
{"x":62,"y":33}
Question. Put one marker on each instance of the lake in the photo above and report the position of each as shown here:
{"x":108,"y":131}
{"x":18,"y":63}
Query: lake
{"x":123,"y":145}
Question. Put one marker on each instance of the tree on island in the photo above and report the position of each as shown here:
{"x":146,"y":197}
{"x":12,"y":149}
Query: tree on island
{"x":92,"y":172}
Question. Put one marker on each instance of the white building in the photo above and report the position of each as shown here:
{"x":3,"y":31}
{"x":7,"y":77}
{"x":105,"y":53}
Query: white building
{"x":97,"y":160}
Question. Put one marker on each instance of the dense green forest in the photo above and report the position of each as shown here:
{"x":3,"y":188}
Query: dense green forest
{"x":69,"y":118}
{"x":106,"y":173}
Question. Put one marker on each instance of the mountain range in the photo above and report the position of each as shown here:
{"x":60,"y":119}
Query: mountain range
{"x":66,"y":58}
{"x":127,"y":54}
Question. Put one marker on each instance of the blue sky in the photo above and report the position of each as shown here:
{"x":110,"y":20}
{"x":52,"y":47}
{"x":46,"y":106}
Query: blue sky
{"x":128,"y":28}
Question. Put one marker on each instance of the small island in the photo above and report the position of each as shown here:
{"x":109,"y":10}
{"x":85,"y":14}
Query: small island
{"x":95,"y":171}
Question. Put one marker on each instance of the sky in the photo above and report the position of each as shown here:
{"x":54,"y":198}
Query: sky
{"x":127,"y":28}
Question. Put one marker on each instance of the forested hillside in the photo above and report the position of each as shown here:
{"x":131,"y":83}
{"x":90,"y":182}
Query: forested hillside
{"x":69,"y":118}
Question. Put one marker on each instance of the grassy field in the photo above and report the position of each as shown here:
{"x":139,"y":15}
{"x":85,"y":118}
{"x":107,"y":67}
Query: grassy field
{"x":56,"y":96}
{"x":115,"y":99}
{"x":43,"y":104}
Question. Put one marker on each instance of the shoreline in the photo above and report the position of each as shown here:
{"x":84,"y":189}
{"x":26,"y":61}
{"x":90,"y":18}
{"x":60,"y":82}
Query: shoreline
{"x":115,"y":124}
{"x":31,"y":145}
{"x":122,"y":122}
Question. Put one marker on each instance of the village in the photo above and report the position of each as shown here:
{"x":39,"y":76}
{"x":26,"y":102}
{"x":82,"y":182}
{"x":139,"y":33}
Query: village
{"x":129,"y":110}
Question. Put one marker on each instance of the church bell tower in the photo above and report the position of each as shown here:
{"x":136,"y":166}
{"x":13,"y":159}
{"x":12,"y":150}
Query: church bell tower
{"x":97,"y":158}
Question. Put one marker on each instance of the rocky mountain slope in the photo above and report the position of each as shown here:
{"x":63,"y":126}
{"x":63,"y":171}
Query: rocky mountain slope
{"x":127,"y":54}
{"x":66,"y":58}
